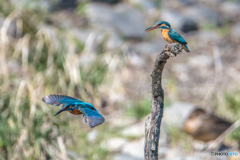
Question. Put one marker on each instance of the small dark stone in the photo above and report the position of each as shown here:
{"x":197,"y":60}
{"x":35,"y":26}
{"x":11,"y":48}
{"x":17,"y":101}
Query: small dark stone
{"x":107,"y":1}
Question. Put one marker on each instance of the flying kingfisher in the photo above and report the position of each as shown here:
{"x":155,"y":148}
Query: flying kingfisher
{"x":76,"y":107}
{"x":169,"y":34}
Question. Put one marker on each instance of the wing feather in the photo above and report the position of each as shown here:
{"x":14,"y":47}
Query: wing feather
{"x":92,"y":116}
{"x":56,"y":100}
{"x":176,"y":36}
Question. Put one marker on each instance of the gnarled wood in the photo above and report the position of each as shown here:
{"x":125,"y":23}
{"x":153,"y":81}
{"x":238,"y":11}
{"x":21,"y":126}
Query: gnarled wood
{"x":153,"y":122}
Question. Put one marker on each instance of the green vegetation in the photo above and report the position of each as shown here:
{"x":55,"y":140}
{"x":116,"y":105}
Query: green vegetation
{"x":46,"y":60}
{"x":140,"y":108}
{"x":178,"y":138}
{"x":232,"y":102}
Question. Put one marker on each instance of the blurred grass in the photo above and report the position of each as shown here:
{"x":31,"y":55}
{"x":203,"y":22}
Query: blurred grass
{"x":139,"y":108}
{"x":81,"y":9}
{"x":178,"y":138}
{"x":232,"y":103}
{"x":47,"y":60}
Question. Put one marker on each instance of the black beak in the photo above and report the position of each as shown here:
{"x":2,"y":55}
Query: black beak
{"x":61,"y":110}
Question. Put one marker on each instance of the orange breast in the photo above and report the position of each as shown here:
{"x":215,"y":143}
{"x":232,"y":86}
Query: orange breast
{"x":75,"y":112}
{"x":166,"y":36}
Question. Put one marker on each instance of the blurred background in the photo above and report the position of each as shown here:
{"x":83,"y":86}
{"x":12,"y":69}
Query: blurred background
{"x":97,"y":51}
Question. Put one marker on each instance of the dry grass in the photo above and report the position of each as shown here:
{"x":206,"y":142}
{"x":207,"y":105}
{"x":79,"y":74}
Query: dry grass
{"x":38,"y":60}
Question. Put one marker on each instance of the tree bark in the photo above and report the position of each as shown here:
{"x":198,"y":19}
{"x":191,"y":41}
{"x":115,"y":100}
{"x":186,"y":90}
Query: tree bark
{"x":153,"y":122}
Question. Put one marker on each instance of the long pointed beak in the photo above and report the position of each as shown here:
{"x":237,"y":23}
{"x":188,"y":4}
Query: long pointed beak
{"x":61,"y":110}
{"x":151,"y":28}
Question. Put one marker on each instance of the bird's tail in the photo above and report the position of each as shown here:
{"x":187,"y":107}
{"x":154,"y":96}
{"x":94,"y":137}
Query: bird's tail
{"x":186,"y":48}
{"x":94,"y":120}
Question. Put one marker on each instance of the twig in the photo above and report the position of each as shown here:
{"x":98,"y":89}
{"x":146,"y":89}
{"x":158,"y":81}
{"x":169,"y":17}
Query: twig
{"x":153,"y":122}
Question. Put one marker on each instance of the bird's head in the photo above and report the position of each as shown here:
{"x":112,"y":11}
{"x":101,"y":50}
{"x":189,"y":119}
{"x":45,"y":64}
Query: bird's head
{"x":66,"y":108}
{"x":161,"y":24}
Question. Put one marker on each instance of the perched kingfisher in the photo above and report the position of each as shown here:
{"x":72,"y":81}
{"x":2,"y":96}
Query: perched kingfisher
{"x":169,"y":34}
{"x":76,"y":107}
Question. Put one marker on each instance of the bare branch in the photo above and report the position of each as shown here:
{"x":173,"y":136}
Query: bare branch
{"x":153,"y":122}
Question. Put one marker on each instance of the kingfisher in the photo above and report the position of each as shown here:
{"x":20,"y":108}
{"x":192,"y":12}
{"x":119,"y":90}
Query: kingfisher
{"x":76,"y":107}
{"x":169,"y":34}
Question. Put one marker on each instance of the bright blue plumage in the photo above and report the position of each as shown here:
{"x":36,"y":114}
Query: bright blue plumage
{"x":175,"y":36}
{"x":76,"y":106}
{"x":169,"y":34}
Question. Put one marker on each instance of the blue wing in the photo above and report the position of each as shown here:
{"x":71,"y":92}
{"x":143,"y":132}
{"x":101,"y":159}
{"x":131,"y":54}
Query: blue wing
{"x":92,"y":116}
{"x":56,"y":100}
{"x":175,"y":36}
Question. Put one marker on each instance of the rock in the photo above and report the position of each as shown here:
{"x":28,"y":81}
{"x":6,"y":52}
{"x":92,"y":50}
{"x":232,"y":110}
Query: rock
{"x":149,"y":48}
{"x":113,"y":41}
{"x":200,"y":61}
{"x":123,"y":156}
{"x":125,"y":20}
{"x":44,"y":5}
{"x":203,"y":15}
{"x":236,"y":31}
{"x":114,"y":144}
{"x":208,"y":36}
{"x":162,"y":150}
{"x":92,"y":135}
{"x":121,"y":121}
{"x":81,"y":34}
{"x":181,"y":71}
{"x":135,"y":130}
{"x":192,"y":158}
{"x":178,"y":20}
{"x":177,"y":114}
{"x":134,"y":149}
{"x":163,"y":140}
{"x":107,"y":1}
{"x":63,"y":4}
{"x":136,"y":60}
{"x":175,"y":154}
{"x":186,"y":2}
{"x":74,"y":155}
{"x":146,"y":4}
{"x":230,"y":10}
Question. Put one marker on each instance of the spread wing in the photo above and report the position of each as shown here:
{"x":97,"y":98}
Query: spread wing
{"x":92,"y":116}
{"x":177,"y":37}
{"x":56,"y":100}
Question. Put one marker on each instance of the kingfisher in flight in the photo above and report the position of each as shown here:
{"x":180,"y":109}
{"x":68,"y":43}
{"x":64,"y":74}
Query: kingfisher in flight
{"x":169,"y":34}
{"x":76,"y":107}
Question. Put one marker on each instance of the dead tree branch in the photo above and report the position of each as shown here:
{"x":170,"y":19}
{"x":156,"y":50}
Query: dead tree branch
{"x":153,"y":122}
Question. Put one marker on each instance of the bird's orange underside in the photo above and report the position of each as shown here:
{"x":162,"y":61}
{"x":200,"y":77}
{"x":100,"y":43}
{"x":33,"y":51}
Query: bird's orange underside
{"x":75,"y":112}
{"x":166,"y":36}
{"x":169,"y":40}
